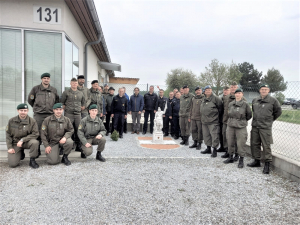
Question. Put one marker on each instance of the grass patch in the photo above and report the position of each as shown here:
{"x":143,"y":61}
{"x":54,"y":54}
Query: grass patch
{"x":290,"y":116}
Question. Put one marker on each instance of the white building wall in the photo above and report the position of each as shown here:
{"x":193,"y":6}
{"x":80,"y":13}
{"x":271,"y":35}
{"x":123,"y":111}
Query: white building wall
{"x":19,"y":13}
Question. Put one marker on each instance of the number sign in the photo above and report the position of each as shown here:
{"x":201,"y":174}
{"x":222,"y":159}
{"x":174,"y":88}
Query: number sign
{"x":43,"y":14}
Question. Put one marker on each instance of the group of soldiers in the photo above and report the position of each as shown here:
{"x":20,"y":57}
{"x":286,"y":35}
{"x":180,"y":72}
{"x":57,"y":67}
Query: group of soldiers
{"x":75,"y":121}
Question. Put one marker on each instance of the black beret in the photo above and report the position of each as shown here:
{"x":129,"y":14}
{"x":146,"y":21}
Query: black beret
{"x":80,"y":77}
{"x":185,"y":86}
{"x":197,"y":88}
{"x":22,"y":106}
{"x":111,"y":88}
{"x":94,"y":81}
{"x":264,"y":85}
{"x":239,"y":90}
{"x":94,"y":106}
{"x":45,"y":75}
{"x":58,"y":106}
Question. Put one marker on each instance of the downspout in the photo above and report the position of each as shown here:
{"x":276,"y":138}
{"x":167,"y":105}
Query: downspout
{"x":86,"y":56}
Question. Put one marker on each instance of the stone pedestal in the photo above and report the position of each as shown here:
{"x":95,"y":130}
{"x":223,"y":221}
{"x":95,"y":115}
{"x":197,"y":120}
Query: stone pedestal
{"x":158,"y":137}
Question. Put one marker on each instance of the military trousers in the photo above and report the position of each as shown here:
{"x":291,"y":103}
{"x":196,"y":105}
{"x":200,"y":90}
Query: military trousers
{"x":75,"y":120}
{"x":211,"y":133}
{"x":40,"y":117}
{"x":53,"y":157}
{"x":94,"y":141}
{"x":237,"y":136}
{"x":14,"y":158}
{"x":261,"y":137}
{"x":197,"y":134}
{"x":136,"y":121}
{"x":224,"y":137}
{"x":185,"y":126}
{"x":84,"y":114}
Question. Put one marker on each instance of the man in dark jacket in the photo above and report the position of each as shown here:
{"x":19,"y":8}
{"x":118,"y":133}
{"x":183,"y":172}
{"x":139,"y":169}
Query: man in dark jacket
{"x":150,"y":100}
{"x":266,"y":109}
{"x":174,"y":115}
{"x":211,"y":114}
{"x":109,"y":99}
{"x":119,"y":108}
{"x":136,"y":105}
{"x":125,"y":120}
{"x":162,"y":103}
{"x":168,"y":114}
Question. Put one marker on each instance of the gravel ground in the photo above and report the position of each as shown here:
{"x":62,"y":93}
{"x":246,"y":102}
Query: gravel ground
{"x":145,"y":186}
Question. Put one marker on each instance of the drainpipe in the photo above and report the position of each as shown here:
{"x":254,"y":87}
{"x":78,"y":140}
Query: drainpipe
{"x":86,"y":56}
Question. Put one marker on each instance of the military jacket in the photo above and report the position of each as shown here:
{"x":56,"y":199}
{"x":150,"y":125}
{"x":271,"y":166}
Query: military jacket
{"x":195,"y":107}
{"x":185,"y":105}
{"x":18,"y":129}
{"x":42,"y":99}
{"x":89,"y":128}
{"x":211,"y":110}
{"x":73,"y":101}
{"x":53,"y":130}
{"x":239,"y":112}
{"x":96,"y":98}
{"x":86,"y":93}
{"x":265,"y":111}
{"x":226,"y":100}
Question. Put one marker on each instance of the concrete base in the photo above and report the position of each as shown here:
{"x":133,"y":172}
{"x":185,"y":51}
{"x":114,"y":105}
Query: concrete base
{"x":286,"y":167}
{"x":158,"y":138}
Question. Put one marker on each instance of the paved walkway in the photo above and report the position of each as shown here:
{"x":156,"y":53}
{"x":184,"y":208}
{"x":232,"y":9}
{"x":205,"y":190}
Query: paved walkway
{"x":146,"y":186}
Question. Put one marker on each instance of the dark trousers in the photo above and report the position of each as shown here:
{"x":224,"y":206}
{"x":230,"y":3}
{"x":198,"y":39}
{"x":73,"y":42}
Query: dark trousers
{"x":146,"y":116}
{"x":125,"y":125}
{"x":107,"y":123}
{"x":119,"y":122}
{"x":175,"y":120}
{"x":166,"y":125}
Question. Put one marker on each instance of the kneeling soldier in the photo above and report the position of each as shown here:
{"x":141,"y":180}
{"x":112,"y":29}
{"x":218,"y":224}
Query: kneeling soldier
{"x":57,"y":131}
{"x":91,"y":131}
{"x":21,"y":133}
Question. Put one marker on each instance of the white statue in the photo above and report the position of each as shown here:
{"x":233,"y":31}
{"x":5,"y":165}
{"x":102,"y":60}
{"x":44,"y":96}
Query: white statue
{"x":158,"y":121}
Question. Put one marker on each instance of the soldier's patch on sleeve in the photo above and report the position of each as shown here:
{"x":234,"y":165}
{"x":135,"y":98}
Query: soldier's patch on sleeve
{"x":31,"y":97}
{"x":43,"y":127}
{"x":7,"y":128}
{"x":80,"y":126}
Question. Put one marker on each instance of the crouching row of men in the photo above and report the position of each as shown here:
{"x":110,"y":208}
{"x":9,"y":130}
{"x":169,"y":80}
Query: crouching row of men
{"x":22,"y":133}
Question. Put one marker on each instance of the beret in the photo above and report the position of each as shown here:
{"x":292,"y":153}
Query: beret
{"x":94,"y":106}
{"x":22,"y":106}
{"x":239,"y":90}
{"x":105,"y":85}
{"x":207,"y":87}
{"x":58,"y":106}
{"x":264,"y":85}
{"x":197,"y":88}
{"x":80,"y":77}
{"x":94,"y":81}
{"x":111,"y":88}
{"x":185,"y":86}
{"x":45,"y":75}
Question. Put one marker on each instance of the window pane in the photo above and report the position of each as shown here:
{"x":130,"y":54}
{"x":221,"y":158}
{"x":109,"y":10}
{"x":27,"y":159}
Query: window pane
{"x":68,"y":61}
{"x":75,"y":61}
{"x":43,"y":54}
{"x":10,"y":76}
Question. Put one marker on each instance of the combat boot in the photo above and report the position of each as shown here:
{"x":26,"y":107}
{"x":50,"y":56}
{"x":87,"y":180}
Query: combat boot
{"x":65,"y":160}
{"x":221,"y":149}
{"x":236,"y":157}
{"x":226,"y":155}
{"x":22,"y":154}
{"x":183,"y":140}
{"x":254,"y":163}
{"x":207,"y":150}
{"x":33,"y":163}
{"x":266,"y":168}
{"x":176,"y":137}
{"x":100,"y":157}
{"x":199,"y":146}
{"x":214,"y":154}
{"x":194,"y":145}
{"x":229,"y":159}
{"x":241,"y":162}
{"x":186,"y":140}
{"x":61,"y":150}
{"x":82,"y":155}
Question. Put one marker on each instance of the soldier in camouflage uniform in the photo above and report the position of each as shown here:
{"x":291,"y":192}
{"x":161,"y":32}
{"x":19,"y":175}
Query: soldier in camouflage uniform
{"x":86,"y":93}
{"x":96,"y":97}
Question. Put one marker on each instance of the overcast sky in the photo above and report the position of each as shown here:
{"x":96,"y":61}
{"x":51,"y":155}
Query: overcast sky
{"x":149,"y":38}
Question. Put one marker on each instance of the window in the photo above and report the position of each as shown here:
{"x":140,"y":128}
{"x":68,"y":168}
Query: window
{"x":10,"y":76}
{"x":43,"y":53}
{"x":71,"y":61}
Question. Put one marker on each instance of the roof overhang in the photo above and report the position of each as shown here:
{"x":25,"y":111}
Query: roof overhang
{"x":109,"y":66}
